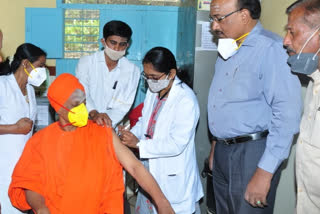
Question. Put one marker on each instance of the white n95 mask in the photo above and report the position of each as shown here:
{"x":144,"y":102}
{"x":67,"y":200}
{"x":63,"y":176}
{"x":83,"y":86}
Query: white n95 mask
{"x":37,"y":76}
{"x":114,"y":55}
{"x":228,"y":47}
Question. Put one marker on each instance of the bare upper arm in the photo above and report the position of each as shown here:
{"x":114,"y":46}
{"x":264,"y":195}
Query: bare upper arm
{"x":127,"y":159}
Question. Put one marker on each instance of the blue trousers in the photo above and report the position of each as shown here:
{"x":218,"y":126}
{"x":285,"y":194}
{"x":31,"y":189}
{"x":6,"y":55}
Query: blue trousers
{"x":233,"y":167}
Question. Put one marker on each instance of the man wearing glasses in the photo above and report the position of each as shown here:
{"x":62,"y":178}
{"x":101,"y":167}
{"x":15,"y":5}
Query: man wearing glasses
{"x":109,"y":78}
{"x":254,"y":108}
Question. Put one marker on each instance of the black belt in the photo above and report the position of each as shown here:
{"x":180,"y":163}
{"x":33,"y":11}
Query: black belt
{"x":242,"y":138}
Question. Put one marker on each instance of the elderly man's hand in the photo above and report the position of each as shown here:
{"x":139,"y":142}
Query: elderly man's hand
{"x":100,"y":118}
{"x":129,"y":139}
{"x":23,"y":126}
{"x":258,"y":188}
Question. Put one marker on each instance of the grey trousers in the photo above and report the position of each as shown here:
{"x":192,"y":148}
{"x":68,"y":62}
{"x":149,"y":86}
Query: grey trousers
{"x":233,"y":167}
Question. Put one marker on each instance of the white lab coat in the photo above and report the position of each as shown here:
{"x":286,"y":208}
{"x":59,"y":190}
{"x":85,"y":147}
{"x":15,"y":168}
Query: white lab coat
{"x":171,"y":152}
{"x":13,"y":106}
{"x":99,"y":84}
{"x":308,"y":151}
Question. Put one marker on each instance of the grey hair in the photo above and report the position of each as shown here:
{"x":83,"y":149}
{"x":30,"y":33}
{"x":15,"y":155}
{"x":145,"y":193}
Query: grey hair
{"x":311,"y":8}
{"x":79,"y":95}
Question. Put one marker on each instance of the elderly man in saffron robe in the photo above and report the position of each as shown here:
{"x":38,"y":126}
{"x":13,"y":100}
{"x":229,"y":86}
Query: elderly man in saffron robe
{"x":74,"y":165}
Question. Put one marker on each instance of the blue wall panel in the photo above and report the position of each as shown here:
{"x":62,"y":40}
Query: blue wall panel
{"x":66,"y":66}
{"x":168,"y":26}
{"x":44,"y":28}
{"x":134,"y":19}
{"x":161,"y":28}
{"x":186,"y":35}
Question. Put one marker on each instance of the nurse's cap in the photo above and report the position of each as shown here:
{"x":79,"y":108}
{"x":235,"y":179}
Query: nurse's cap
{"x":61,"y":89}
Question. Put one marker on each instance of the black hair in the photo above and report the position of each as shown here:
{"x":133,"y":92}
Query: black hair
{"x":117,"y":28}
{"x":25,"y":51}
{"x":253,"y":6}
{"x":293,"y":6}
{"x":310,"y":7}
{"x":163,"y":61}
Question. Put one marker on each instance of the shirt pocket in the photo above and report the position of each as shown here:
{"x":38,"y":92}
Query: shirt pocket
{"x":119,"y":96}
{"x":245,"y":85}
{"x":174,"y":181}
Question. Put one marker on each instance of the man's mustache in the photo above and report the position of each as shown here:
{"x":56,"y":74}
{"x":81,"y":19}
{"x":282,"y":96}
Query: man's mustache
{"x":218,"y":33}
{"x":290,"y":50}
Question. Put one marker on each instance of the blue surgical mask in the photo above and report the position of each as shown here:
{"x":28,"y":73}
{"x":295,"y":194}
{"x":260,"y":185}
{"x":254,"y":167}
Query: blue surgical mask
{"x":304,"y":63}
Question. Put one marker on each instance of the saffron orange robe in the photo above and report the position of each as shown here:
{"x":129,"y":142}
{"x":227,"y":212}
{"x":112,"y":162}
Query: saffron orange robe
{"x":76,"y":172}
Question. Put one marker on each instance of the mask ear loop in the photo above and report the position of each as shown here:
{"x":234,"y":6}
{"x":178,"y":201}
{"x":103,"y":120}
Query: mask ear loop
{"x":60,"y":104}
{"x":244,"y":35}
{"x":32,"y":66}
{"x":25,"y":70}
{"x":305,"y":44}
{"x":316,"y":54}
{"x":68,"y":124}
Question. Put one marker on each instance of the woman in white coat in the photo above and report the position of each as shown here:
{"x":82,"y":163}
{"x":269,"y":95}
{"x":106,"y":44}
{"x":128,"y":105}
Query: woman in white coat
{"x":165,"y":135}
{"x":17,"y":110}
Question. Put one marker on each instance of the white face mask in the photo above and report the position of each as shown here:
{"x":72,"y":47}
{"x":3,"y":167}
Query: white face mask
{"x":157,"y":85}
{"x":228,"y":47}
{"x":37,"y":76}
{"x":114,"y":55}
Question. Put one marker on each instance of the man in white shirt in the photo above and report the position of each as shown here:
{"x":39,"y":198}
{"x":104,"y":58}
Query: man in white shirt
{"x":109,"y":78}
{"x":303,"y":44}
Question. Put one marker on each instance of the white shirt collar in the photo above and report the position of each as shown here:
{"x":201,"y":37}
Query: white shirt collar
{"x":315,"y":76}
{"x":101,"y":58}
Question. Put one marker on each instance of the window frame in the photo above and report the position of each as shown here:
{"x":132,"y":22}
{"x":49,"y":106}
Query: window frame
{"x":80,"y":52}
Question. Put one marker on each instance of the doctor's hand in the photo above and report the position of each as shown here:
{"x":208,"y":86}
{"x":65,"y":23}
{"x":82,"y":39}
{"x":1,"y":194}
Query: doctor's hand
{"x":129,"y":139}
{"x":23,"y":126}
{"x":100,"y":118}
{"x":258,"y":188}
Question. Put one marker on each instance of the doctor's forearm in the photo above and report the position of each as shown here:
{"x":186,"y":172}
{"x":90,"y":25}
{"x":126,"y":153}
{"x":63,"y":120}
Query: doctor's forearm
{"x":8,"y":129}
{"x":135,"y":168}
{"x":149,"y":184}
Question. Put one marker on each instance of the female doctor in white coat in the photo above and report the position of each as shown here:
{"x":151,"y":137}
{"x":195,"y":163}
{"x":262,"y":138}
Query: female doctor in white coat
{"x":165,"y":135}
{"x":17,"y":110}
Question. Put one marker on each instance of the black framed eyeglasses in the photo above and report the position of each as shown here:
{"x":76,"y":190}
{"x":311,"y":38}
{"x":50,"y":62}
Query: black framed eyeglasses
{"x":219,"y":19}
{"x":151,"y":78}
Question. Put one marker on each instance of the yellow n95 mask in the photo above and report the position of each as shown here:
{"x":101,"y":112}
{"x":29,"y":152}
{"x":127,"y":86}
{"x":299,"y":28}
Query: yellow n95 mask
{"x":78,"y":116}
